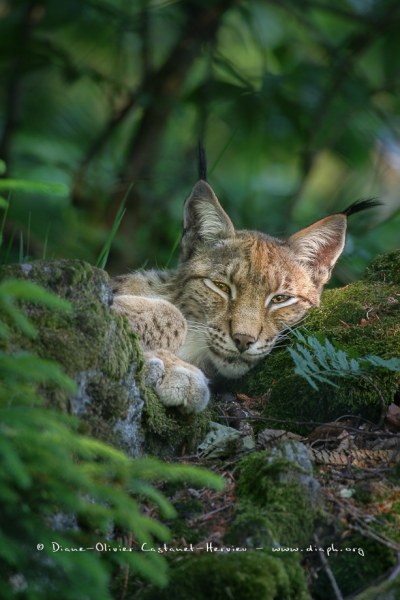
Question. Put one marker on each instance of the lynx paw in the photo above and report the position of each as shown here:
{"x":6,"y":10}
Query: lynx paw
{"x":176,"y":382}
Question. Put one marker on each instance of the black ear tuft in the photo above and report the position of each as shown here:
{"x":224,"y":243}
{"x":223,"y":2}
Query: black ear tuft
{"x":360,"y":205}
{"x":202,"y":161}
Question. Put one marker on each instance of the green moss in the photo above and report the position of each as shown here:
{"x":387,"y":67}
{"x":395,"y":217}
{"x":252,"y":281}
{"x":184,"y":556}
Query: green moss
{"x":365,"y":316}
{"x":362,"y":318}
{"x":92,"y":336}
{"x":274,"y":487}
{"x":394,"y":474}
{"x":245,"y":575}
{"x":252,"y":527}
{"x":353,"y":571}
{"x":93,"y":344}
{"x":385,"y":268}
{"x":168,"y":430}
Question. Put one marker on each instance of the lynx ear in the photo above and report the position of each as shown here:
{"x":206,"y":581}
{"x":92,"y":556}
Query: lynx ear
{"x":205,"y":221}
{"x":320,"y":245}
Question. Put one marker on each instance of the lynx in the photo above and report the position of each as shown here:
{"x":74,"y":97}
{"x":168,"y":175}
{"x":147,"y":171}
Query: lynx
{"x":229,"y":301}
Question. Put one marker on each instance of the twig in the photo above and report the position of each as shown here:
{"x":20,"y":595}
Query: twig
{"x":396,"y":569}
{"x":211,"y":513}
{"x":328,"y":571}
{"x":380,"y":395}
{"x":359,"y":518}
{"x":355,"y":45}
{"x":375,"y":536}
{"x":200,"y":27}
{"x":384,"y":434}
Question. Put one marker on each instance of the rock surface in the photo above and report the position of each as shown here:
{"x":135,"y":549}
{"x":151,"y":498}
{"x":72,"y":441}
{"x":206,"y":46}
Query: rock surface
{"x":98,"y":350}
{"x":94,"y":346}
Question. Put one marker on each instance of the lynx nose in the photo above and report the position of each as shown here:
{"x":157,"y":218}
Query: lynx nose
{"x":243,"y":341}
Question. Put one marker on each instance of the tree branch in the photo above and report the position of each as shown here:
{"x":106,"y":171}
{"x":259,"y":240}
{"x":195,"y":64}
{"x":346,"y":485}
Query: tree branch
{"x":165,"y":86}
{"x":356,"y":45}
{"x":162,"y":87}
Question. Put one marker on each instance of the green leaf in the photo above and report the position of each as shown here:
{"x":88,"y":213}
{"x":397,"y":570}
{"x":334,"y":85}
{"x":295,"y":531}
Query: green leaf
{"x":38,"y":187}
{"x":10,"y":460}
{"x":31,"y":292}
{"x":320,"y":362}
{"x":342,"y":360}
{"x":17,"y":316}
{"x":392,"y":364}
{"x":27,"y":367}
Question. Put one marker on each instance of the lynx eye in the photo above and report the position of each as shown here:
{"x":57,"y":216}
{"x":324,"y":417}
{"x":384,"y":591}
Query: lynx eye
{"x":223,"y":287}
{"x":280,"y":299}
{"x":277,"y":301}
{"x":220,"y":288}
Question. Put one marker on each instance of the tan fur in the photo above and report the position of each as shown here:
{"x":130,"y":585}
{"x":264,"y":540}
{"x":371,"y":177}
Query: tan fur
{"x":191,"y":328}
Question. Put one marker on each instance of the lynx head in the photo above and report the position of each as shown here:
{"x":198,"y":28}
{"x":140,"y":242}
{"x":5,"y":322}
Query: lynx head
{"x":240,"y":290}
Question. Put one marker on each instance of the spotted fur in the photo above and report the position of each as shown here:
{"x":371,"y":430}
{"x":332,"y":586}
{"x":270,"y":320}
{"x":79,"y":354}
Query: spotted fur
{"x":230,"y":300}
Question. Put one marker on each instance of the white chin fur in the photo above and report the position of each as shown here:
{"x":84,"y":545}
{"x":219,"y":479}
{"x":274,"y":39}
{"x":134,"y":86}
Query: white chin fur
{"x":229,"y":370}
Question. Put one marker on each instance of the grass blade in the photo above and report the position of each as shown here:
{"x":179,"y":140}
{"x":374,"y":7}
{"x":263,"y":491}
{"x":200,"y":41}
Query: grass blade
{"x":103,"y":256}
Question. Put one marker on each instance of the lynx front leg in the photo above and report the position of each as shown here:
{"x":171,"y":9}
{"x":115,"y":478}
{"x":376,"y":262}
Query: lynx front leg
{"x":176,"y":383}
{"x":162,"y":328}
{"x":158,"y":322}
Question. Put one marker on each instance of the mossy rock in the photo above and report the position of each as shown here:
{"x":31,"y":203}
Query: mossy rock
{"x":169,"y":431}
{"x":96,"y":347}
{"x":276,"y":491}
{"x":240,"y":576}
{"x":362,"y":318}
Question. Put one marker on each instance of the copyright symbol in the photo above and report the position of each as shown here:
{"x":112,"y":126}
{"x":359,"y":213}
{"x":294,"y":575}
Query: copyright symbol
{"x":40,"y":546}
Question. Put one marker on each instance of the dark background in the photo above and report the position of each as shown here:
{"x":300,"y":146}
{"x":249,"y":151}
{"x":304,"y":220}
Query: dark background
{"x":297,"y":102}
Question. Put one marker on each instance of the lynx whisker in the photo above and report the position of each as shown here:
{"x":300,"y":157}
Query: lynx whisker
{"x":250,"y":290}
{"x":198,"y":330}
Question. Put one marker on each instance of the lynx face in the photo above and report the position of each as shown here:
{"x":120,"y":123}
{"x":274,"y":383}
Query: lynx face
{"x":240,"y":290}
{"x":239,"y":299}
{"x":230,"y":300}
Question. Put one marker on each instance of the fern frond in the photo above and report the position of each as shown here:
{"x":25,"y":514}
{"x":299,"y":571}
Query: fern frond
{"x":320,"y":362}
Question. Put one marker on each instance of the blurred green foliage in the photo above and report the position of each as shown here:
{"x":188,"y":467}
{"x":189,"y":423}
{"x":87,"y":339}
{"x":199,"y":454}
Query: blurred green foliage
{"x":60,"y":490}
{"x":297,"y":102}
